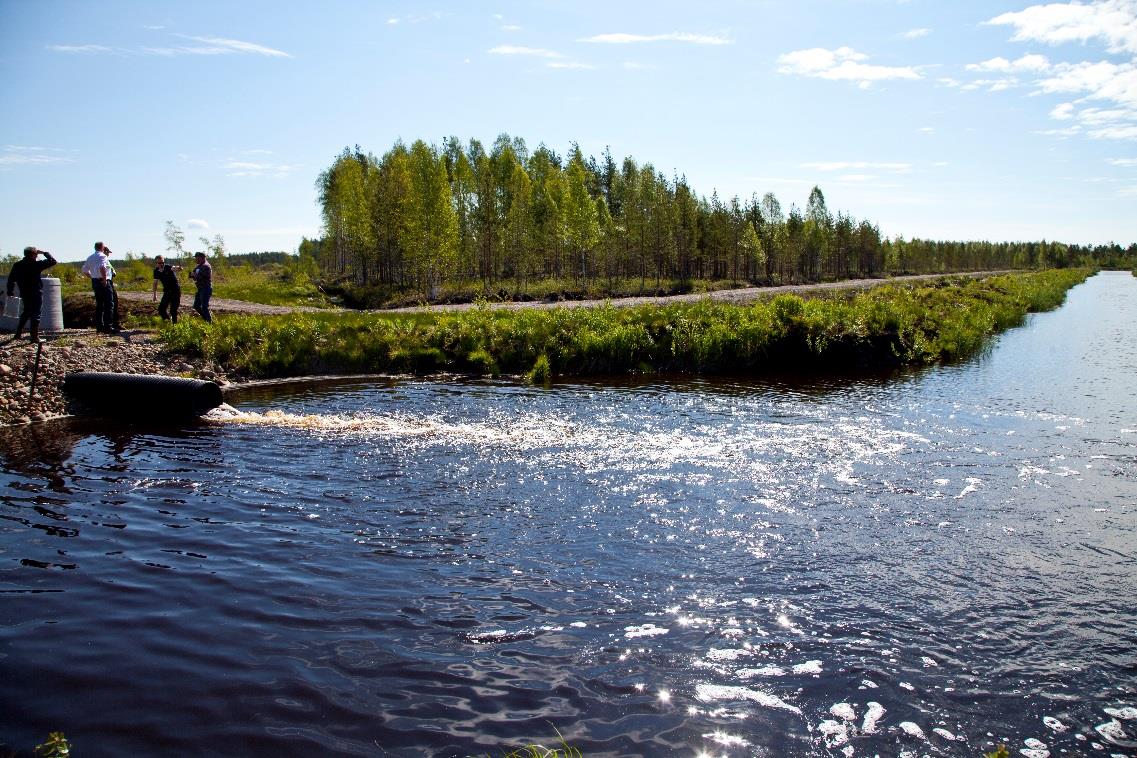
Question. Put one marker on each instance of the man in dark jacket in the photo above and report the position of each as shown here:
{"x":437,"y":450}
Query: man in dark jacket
{"x":26,"y":275}
{"x":167,"y":274}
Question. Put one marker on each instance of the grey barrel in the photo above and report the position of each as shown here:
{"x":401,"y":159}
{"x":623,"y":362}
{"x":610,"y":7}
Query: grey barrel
{"x":139,"y":396}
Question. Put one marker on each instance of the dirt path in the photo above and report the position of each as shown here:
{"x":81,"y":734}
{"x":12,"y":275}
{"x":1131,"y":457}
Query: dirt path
{"x":743,"y":295}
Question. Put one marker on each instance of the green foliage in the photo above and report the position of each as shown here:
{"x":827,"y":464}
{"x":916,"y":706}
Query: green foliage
{"x":56,"y":746}
{"x":540,"y":373}
{"x":887,"y":326}
{"x":434,"y":222}
{"x":999,"y":752}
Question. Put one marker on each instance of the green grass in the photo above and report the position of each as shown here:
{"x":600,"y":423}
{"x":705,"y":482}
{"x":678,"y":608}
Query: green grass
{"x":892,"y":325}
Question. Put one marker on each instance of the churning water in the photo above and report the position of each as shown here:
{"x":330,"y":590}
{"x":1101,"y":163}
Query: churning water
{"x":929,"y":563}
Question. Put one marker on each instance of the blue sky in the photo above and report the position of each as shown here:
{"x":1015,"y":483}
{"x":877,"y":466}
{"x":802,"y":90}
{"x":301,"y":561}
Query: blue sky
{"x":950,"y":120}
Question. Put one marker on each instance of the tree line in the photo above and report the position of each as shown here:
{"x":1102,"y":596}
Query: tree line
{"x":424,"y":216}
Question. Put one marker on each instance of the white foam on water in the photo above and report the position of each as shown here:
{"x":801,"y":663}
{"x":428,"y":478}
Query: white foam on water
{"x":972,"y":486}
{"x":874,"y":714}
{"x":833,"y":733}
{"x":907,"y":686}
{"x":868,"y":684}
{"x":1111,"y":731}
{"x":1034,"y":743}
{"x":912,"y":730}
{"x":843,"y":711}
{"x":712,"y":692}
{"x":765,"y":671}
{"x":1054,"y":724}
{"x":718,"y":654}
{"x":928,"y":662}
{"x":645,"y":630}
{"x":809,"y":667}
{"x":1126,"y":713}
{"x":1034,"y":753}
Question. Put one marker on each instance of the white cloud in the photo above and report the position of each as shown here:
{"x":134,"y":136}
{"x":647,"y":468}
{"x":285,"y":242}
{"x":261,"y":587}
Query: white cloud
{"x":1111,"y":21}
{"x":569,"y":65}
{"x":511,"y":28}
{"x":1027,"y":63}
{"x":916,"y":33}
{"x":900,"y":168}
{"x":856,"y":178}
{"x":1115,"y":131}
{"x":1099,"y":81}
{"x":1124,"y":162}
{"x":26,"y":155}
{"x":90,"y":49}
{"x":1070,"y":131}
{"x":926,"y":130}
{"x":258,"y":169}
{"x":619,"y":38}
{"x":220,"y":45}
{"x":207,"y":46}
{"x":518,"y":50}
{"x":1062,"y":112}
{"x":842,"y":64}
{"x":392,"y":22}
{"x":198,"y":224}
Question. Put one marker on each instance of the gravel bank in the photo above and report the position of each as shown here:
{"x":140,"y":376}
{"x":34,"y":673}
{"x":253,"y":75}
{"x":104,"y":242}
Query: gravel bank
{"x":131,"y":352}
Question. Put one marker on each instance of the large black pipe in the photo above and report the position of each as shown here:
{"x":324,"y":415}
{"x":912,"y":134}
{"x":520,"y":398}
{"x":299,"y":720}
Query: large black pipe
{"x":141,"y":395}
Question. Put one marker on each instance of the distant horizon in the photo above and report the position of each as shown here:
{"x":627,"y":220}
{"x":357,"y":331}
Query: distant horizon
{"x":979,"y":121}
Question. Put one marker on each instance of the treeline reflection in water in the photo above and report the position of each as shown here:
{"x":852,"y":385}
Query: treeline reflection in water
{"x":927,"y":563}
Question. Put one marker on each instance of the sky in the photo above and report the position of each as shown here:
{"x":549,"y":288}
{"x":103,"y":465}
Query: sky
{"x":961,"y":120}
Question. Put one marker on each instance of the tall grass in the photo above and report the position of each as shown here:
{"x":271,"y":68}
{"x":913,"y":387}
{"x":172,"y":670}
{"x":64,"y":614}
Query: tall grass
{"x":890,"y":326}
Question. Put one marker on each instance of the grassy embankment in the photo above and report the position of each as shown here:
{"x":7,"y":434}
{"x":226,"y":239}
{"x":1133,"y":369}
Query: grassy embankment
{"x":892,"y":325}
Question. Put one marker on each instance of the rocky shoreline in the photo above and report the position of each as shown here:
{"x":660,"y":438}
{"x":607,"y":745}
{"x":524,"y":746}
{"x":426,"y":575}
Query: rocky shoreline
{"x":130,"y":351}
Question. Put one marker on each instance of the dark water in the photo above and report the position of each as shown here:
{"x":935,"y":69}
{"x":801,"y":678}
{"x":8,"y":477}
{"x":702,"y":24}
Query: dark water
{"x":926,"y":564}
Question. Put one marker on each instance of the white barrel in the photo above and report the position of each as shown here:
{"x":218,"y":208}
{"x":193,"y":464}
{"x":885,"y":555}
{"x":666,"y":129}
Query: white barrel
{"x":50,"y":313}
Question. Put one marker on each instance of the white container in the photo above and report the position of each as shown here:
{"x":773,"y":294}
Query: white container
{"x":50,"y":313}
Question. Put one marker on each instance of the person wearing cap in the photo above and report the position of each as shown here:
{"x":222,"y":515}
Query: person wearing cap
{"x":26,"y":274}
{"x":202,"y":276}
{"x":97,"y":268}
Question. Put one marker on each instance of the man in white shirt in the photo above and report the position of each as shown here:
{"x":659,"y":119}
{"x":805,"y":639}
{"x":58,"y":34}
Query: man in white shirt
{"x":98,"y":268}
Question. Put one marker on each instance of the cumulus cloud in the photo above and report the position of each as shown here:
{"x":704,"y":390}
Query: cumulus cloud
{"x":842,"y":64}
{"x":1027,"y":63}
{"x":620,"y":38}
{"x":1113,"y":22}
{"x":197,"y":224}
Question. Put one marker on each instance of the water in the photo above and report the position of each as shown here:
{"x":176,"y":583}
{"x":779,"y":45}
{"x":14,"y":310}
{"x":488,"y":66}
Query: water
{"x":925,"y":564}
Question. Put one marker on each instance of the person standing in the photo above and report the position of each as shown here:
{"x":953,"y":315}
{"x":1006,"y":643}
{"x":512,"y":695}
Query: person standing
{"x":115,"y":317}
{"x":97,"y":268}
{"x":26,"y":274}
{"x":202,"y":276}
{"x":167,"y":274}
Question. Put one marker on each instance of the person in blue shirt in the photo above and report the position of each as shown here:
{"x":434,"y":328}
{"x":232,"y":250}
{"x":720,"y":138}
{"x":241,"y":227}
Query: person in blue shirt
{"x":25,"y":274}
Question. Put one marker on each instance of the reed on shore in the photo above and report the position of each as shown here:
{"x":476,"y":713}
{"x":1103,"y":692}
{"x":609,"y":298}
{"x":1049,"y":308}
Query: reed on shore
{"x":890,"y":326}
